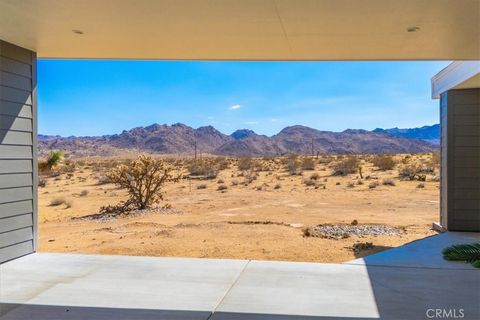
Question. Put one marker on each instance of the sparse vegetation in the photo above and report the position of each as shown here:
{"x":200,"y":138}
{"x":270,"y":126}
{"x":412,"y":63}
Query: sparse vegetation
{"x":346,"y":166}
{"x":383,"y":162}
{"x":388,"y":182}
{"x":143,"y":179}
{"x":308,"y":164}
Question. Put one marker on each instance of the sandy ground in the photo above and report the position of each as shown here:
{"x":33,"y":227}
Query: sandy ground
{"x":242,"y":222}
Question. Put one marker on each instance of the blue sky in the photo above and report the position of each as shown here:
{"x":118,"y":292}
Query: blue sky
{"x":104,"y":97}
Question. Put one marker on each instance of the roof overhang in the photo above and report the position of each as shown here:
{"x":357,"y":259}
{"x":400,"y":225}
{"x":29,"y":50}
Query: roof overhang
{"x":245,"y":29}
{"x":457,"y":75}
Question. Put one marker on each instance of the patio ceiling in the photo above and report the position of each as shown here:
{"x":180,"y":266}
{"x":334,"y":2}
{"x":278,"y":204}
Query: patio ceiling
{"x":245,"y":29}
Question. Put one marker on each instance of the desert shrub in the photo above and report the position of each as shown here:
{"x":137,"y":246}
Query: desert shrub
{"x":222,"y":187}
{"x":346,"y":166}
{"x":309,"y":182}
{"x":250,"y":177}
{"x":203,"y":169}
{"x":245,"y":163}
{"x":202,"y":186}
{"x":411,"y":172}
{"x":388,"y":182}
{"x":59,"y":201}
{"x":435,"y":159}
{"x":360,"y":182}
{"x":292,"y":165}
{"x":234,"y":182}
{"x":222,"y":164}
{"x":101,"y":180}
{"x":308,"y":164}
{"x":373,"y":185}
{"x":144,"y":179}
{"x":42,"y":183}
{"x":350,"y":184}
{"x":83,"y":193}
{"x":220,"y":181}
{"x":383,"y":162}
{"x":277,"y":186}
{"x":54,"y":159}
{"x":315,"y":176}
{"x":421,"y":185}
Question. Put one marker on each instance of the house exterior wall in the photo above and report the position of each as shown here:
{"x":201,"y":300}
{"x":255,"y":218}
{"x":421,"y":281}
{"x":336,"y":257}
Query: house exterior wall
{"x":460,"y":149}
{"x":18,"y":163}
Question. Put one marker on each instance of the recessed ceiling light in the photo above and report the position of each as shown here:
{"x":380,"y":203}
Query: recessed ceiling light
{"x":77,"y":31}
{"x":413,"y":29}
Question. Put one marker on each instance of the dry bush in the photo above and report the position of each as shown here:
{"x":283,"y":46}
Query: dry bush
{"x":202,"y":186}
{"x":222,"y":163}
{"x":315,"y":176}
{"x":83,"y":193}
{"x":245,"y":163}
{"x":42,"y":183}
{"x":250,"y":177}
{"x":59,"y":201}
{"x":350,"y":185}
{"x":308,"y":164}
{"x":383,"y":162}
{"x":421,"y":185}
{"x":292,"y":165}
{"x":411,"y":172}
{"x":204,"y":169}
{"x":310,"y":182}
{"x":388,"y":182}
{"x":360,"y":182}
{"x":234,"y":182}
{"x":220,"y":181}
{"x":277,"y":186}
{"x":222,"y":187}
{"x":101,"y":180}
{"x":435,"y":159}
{"x":373,"y":185}
{"x":346,"y":166}
{"x":144,"y":179}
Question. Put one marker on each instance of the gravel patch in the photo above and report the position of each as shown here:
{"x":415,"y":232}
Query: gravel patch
{"x":105,"y":217}
{"x":346,"y":231}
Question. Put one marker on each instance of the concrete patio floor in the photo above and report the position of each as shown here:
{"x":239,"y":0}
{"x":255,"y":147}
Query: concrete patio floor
{"x":401,"y":283}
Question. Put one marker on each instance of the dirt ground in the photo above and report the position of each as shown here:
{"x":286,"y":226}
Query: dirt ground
{"x":264,"y":219}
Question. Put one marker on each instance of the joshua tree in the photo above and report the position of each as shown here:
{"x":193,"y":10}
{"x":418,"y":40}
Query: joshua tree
{"x":144,"y":179}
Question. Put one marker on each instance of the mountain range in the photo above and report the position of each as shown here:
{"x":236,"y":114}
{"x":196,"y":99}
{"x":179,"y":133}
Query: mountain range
{"x":182,"y":139}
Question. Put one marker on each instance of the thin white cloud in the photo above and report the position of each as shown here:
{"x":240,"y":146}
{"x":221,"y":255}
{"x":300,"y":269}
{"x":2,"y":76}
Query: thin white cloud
{"x":235,"y":107}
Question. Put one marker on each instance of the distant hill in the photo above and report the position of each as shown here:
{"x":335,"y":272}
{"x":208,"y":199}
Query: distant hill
{"x":426,"y":133}
{"x":182,"y":139}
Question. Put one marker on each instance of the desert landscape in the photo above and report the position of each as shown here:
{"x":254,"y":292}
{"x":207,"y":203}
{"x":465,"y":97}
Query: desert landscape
{"x":320,"y":208}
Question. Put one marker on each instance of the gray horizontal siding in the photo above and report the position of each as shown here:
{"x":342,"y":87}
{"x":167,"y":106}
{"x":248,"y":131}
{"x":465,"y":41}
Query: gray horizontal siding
{"x":15,"y":152}
{"x":15,"y":180}
{"x":16,"y":236}
{"x":17,"y":157}
{"x":15,"y":67}
{"x":15,"y":95}
{"x":463,"y":160}
{"x":16,"y":222}
{"x":15,"y":208}
{"x":16,"y":53}
{"x":16,"y":138}
{"x":15,"y":81}
{"x":15,"y":251}
{"x":16,"y":194}
{"x":15,"y":123}
{"x":15,"y":166}
{"x":15,"y":109}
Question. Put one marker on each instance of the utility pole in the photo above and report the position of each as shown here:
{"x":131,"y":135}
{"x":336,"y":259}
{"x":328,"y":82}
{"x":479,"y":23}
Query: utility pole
{"x":313,"y":152}
{"x":195,"y":146}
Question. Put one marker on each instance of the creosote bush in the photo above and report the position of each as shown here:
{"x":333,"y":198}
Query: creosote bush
{"x":346,"y":166}
{"x":383,"y":162}
{"x":144,"y":179}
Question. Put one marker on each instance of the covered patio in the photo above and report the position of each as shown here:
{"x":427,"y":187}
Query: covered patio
{"x":401,"y":283}
{"x":409,"y":282}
